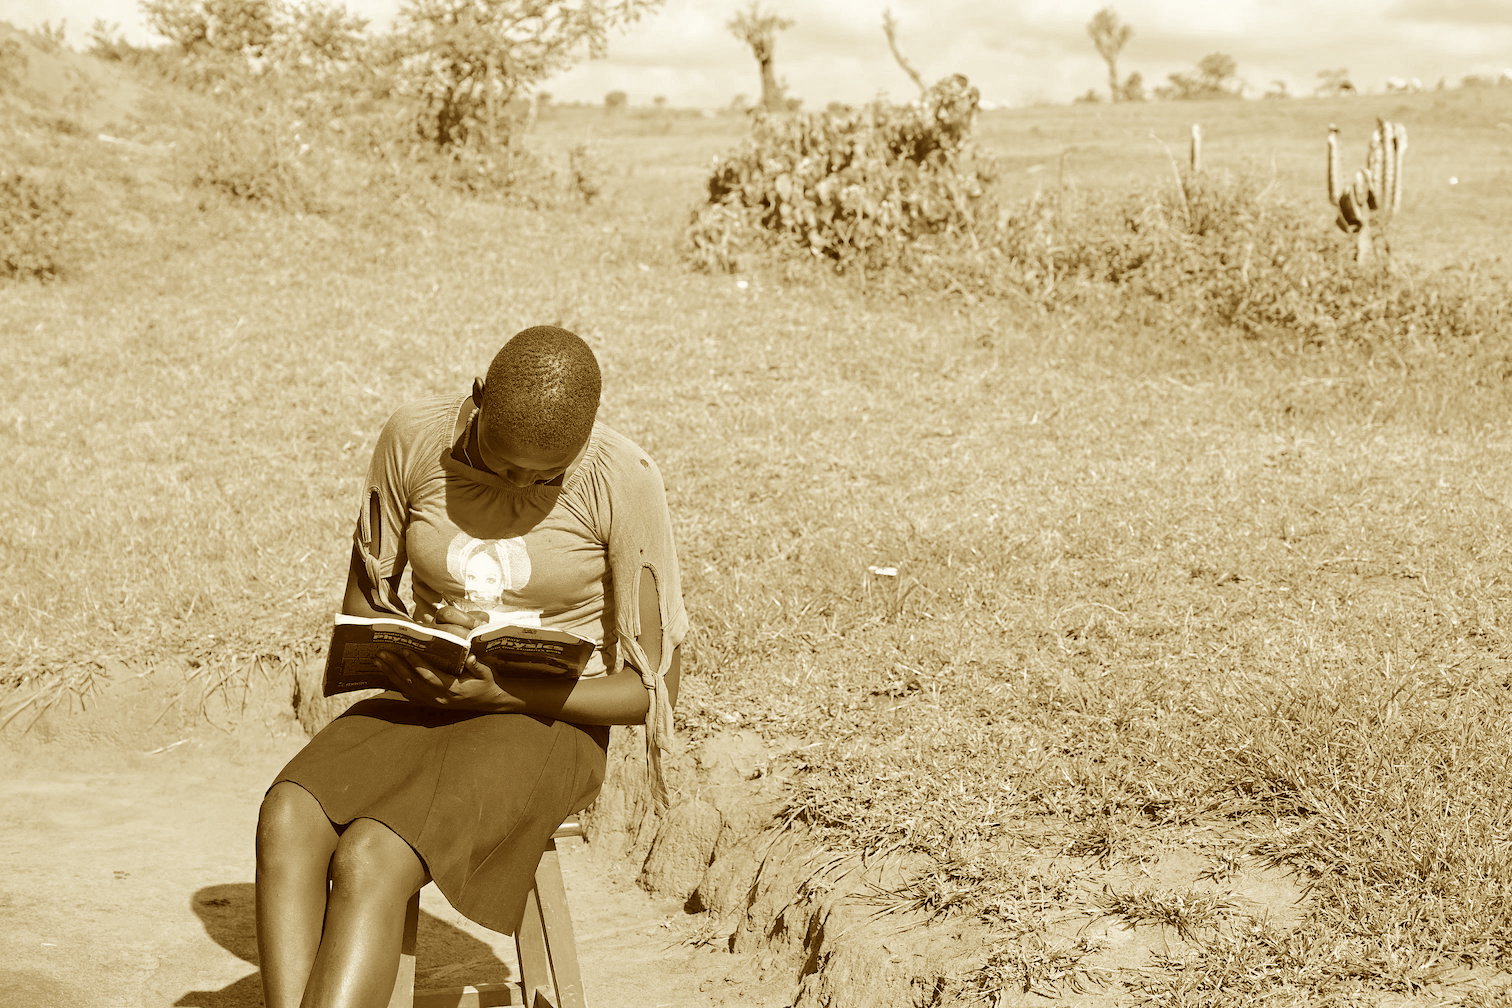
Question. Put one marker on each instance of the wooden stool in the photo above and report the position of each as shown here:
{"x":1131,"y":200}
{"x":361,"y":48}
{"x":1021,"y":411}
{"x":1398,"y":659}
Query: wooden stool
{"x":549,"y":976}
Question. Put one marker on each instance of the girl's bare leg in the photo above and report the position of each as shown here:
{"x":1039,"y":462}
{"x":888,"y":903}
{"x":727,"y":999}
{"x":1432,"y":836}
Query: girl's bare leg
{"x":295,"y":841}
{"x":373,"y":875}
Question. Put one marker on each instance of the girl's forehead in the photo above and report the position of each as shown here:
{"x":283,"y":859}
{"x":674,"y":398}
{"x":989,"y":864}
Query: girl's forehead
{"x":525,"y":456}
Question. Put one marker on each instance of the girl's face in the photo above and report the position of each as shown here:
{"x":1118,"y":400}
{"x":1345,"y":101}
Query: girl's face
{"x":521,"y":465}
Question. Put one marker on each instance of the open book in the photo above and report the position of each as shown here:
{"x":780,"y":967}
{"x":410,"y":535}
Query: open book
{"x":352,"y":659}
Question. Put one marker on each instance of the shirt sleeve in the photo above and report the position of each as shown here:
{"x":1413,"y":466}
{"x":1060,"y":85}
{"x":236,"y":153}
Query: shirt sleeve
{"x":381,"y":521}
{"x":639,"y":528}
{"x":661,"y":554}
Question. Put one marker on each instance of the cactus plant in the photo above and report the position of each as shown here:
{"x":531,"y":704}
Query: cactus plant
{"x":1371,"y":199}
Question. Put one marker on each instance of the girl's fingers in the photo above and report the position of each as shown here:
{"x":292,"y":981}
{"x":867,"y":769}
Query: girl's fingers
{"x":390,"y":668}
{"x":428,"y":677}
{"x":468,"y":620}
{"x":416,"y":682}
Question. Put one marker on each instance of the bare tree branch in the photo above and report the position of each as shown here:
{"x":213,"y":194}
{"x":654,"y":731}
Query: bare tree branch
{"x":889,"y":28}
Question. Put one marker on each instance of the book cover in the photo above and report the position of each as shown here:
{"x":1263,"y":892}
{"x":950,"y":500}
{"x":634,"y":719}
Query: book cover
{"x":532,"y":651}
{"x":352,"y":658}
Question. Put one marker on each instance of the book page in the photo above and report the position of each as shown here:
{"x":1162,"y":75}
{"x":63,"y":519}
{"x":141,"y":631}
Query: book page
{"x":352,"y":660}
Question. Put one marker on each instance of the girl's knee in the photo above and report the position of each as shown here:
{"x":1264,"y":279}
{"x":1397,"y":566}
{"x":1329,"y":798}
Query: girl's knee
{"x":290,"y":813}
{"x":372,"y":860}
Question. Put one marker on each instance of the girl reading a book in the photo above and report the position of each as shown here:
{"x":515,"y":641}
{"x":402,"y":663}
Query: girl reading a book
{"x":461,"y":779}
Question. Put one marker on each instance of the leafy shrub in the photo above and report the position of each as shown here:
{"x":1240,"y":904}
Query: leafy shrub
{"x":585,"y":174}
{"x":107,"y":42}
{"x":512,"y":175}
{"x":228,"y":26}
{"x":336,"y":106}
{"x":484,"y":172}
{"x":462,"y":62}
{"x":13,"y":63}
{"x":263,"y":156}
{"x":50,"y":36}
{"x":35,"y":217}
{"x":854,"y":188}
{"x":1224,"y":252}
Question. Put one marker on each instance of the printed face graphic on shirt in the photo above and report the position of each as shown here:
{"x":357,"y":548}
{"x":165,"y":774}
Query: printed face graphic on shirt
{"x":489,"y":569}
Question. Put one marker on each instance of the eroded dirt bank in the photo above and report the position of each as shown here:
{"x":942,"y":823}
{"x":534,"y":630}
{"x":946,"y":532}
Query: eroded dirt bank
{"x":127,"y":871}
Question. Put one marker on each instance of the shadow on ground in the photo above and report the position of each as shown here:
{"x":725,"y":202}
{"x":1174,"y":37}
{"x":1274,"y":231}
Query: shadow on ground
{"x":443,"y":953}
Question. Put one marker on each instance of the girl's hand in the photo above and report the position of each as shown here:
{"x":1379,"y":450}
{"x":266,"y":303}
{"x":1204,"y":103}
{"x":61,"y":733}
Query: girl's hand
{"x":475,"y":690}
{"x":454,"y":620}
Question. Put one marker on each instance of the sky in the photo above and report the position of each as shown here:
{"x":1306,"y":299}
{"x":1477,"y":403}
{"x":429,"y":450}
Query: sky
{"x":1015,"y":51}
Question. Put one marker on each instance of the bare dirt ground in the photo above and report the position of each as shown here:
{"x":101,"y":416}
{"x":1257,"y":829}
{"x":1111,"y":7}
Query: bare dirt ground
{"x":126,"y":880}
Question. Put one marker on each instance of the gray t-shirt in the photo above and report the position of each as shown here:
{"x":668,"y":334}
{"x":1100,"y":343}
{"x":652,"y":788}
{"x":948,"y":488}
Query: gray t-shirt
{"x":534,"y":556}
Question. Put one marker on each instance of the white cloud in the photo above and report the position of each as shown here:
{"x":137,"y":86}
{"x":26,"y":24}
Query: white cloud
{"x":1467,"y":12}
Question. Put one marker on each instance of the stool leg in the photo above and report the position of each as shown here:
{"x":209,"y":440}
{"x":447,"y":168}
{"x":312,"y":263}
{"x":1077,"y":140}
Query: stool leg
{"x":561,"y":946}
{"x":545,"y":944}
{"x":530,"y":946}
{"x":404,"y":984}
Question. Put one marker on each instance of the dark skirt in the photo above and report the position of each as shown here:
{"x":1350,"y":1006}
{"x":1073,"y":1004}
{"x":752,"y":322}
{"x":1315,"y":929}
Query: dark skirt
{"x":476,"y":795}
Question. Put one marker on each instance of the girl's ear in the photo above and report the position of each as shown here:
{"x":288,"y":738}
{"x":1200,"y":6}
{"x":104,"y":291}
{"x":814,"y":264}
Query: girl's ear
{"x":477,"y":392}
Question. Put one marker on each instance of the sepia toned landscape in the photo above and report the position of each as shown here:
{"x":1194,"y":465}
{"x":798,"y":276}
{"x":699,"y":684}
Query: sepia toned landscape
{"x":1100,"y":593}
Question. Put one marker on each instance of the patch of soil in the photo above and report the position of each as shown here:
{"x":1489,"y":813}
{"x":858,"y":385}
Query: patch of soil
{"x":126,"y":840}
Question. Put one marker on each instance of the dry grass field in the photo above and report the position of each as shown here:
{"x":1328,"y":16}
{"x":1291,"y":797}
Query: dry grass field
{"x":1192,"y":683}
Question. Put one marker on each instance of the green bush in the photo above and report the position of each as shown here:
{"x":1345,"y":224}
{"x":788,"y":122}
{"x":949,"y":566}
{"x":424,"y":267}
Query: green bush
{"x":853,"y":188}
{"x":35,"y":216}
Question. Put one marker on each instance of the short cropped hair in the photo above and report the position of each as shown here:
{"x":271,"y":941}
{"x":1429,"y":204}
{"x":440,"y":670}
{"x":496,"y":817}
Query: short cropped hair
{"x":542,"y":389}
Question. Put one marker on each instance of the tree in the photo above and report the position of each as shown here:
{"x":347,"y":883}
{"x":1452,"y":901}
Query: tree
{"x":1213,"y":77}
{"x":614,"y":101}
{"x":322,"y":34}
{"x":313,"y":40}
{"x":1334,"y":81}
{"x":1216,"y":71}
{"x":889,"y":28}
{"x":758,"y":29}
{"x":466,"y":59}
{"x":204,"y":26}
{"x":1109,"y":35}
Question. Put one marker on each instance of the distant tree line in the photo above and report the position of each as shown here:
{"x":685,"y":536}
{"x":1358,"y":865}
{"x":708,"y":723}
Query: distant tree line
{"x":1214,"y":76}
{"x":462,"y":68}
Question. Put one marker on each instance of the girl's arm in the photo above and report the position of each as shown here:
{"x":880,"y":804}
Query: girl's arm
{"x":354,"y":601}
{"x":618,"y":698}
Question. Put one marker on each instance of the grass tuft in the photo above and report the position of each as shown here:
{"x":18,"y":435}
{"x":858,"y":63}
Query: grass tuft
{"x":35,"y":226}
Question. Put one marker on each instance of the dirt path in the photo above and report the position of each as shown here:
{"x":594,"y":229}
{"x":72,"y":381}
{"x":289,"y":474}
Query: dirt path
{"x":126,"y":881}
